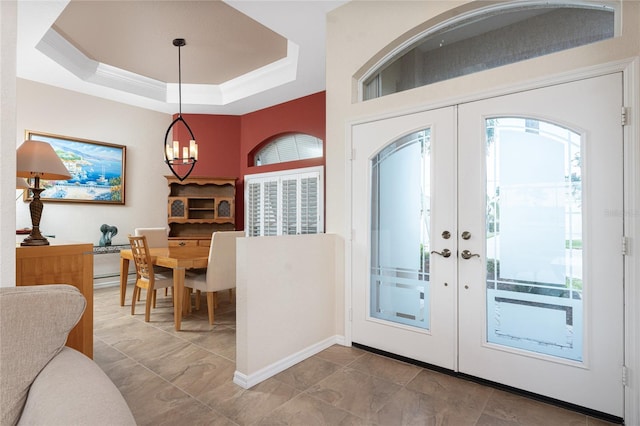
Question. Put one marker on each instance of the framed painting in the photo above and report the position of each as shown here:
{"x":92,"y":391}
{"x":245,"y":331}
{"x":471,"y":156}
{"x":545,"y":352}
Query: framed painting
{"x":97,"y":170}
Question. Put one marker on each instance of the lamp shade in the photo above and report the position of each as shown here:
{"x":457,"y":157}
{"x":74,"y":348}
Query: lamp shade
{"x":21,"y":183}
{"x":38,"y":159}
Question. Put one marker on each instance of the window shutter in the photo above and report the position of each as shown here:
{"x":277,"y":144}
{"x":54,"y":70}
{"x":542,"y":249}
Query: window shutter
{"x":270,"y":200}
{"x":291,"y":147}
{"x":309,"y":205}
{"x":289,"y":207}
{"x":253,"y":209}
{"x":284,"y":203}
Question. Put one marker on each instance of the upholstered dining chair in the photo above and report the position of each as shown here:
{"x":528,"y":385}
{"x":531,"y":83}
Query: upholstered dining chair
{"x":156,"y":237}
{"x":145,"y":276}
{"x":221,"y":270}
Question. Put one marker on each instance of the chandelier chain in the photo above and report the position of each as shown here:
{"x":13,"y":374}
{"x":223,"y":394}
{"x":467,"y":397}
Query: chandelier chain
{"x":179,"y":82}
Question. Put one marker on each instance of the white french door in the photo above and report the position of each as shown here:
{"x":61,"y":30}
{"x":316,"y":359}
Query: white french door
{"x":487,"y":240}
{"x":404,"y":298}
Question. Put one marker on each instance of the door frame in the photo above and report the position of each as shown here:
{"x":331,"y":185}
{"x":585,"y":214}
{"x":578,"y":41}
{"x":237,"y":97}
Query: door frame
{"x":631,"y":134}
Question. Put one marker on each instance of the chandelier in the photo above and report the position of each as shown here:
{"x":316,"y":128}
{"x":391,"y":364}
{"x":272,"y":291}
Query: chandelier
{"x":180,"y":159}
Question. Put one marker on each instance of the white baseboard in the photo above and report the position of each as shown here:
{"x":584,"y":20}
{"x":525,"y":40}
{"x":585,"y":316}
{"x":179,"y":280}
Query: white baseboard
{"x":102,"y":282}
{"x":248,"y":381}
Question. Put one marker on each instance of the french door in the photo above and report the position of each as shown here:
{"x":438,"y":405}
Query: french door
{"x":487,"y":239}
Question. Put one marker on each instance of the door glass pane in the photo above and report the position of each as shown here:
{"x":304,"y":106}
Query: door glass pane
{"x":534,"y":237}
{"x":400,"y":206}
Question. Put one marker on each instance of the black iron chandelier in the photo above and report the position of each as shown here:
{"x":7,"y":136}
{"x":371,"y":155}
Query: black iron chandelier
{"x":180,"y":158}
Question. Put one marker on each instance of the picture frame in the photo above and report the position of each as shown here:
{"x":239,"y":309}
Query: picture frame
{"x":97,"y":171}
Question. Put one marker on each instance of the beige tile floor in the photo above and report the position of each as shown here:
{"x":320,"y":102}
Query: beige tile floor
{"x":185,"y":378}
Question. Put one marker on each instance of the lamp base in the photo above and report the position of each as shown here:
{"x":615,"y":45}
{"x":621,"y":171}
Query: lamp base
{"x":30,"y":242}
{"x":35,"y":239}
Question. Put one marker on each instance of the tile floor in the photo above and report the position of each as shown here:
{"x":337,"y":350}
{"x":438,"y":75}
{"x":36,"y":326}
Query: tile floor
{"x":185,"y":378}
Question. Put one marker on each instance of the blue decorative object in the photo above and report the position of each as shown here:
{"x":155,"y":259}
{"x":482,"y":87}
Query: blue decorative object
{"x":108,"y":232}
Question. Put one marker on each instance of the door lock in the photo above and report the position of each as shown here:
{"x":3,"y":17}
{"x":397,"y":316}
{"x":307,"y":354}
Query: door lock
{"x":443,"y":253}
{"x":466,"y":235}
{"x":466,"y":254}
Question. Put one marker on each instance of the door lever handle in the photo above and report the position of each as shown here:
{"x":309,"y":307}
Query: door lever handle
{"x":443,"y":253}
{"x":466,"y":254}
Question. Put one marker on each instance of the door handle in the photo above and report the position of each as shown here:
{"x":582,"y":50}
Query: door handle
{"x":443,"y":253}
{"x":466,"y":254}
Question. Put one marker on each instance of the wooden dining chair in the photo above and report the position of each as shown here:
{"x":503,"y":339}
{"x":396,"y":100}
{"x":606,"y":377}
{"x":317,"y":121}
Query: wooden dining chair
{"x":221,"y":270}
{"x":145,"y":277}
{"x":156,"y":238}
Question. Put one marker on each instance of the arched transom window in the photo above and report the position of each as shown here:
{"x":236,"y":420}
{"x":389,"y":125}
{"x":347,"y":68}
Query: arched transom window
{"x":487,"y":38}
{"x":290,"y":147}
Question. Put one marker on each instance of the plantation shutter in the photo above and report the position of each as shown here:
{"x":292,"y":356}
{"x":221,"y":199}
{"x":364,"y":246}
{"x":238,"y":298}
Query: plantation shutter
{"x":309,"y":205}
{"x":289,"y":207}
{"x":253,"y":209}
{"x":270,"y":203}
{"x":284,"y":203}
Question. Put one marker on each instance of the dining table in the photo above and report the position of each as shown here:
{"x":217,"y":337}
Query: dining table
{"x":179,"y":259}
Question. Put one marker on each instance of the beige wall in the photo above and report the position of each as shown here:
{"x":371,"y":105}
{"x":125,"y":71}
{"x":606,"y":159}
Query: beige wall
{"x":48,"y":109}
{"x":285,"y":297}
{"x":8,"y":15}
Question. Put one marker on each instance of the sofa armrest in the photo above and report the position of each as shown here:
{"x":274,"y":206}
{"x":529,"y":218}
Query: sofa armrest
{"x":34,"y":324}
{"x":73,"y":390}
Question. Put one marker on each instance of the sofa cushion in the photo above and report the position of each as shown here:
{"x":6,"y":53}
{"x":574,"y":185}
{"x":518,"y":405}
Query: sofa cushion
{"x":34,"y":324}
{"x":73,"y":390}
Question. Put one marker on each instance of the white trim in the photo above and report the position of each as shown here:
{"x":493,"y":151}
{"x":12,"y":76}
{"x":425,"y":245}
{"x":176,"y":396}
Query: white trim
{"x":272,"y":75}
{"x":104,"y":281}
{"x":631,"y":69}
{"x":73,"y":60}
{"x":280,"y":173}
{"x":348,"y":232}
{"x":248,"y":381}
{"x":110,"y":76}
{"x":268,"y":77}
{"x":60,"y":50}
{"x":631,"y":134}
{"x":536,"y":83}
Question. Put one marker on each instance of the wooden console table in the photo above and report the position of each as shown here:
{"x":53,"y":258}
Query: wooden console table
{"x":62,"y":263}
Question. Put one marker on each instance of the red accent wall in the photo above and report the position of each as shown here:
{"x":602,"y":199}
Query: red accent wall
{"x":218,"y":148}
{"x":225,"y":141}
{"x":304,"y":115}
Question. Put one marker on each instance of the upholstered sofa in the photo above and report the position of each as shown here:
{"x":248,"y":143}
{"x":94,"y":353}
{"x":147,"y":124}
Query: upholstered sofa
{"x":43,"y":382}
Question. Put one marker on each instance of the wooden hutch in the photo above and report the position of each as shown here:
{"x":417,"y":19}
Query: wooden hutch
{"x":199,"y":206}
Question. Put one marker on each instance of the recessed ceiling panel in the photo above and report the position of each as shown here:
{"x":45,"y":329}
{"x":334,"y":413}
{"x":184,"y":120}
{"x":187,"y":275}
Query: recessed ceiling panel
{"x":137,"y":36}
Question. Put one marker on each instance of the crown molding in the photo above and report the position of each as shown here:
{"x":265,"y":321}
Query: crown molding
{"x":58,"y":49}
{"x":65,"y":54}
{"x":268,"y":77}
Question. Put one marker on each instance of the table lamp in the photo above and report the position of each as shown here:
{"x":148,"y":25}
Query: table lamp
{"x":38,"y":160}
{"x":21,"y":183}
